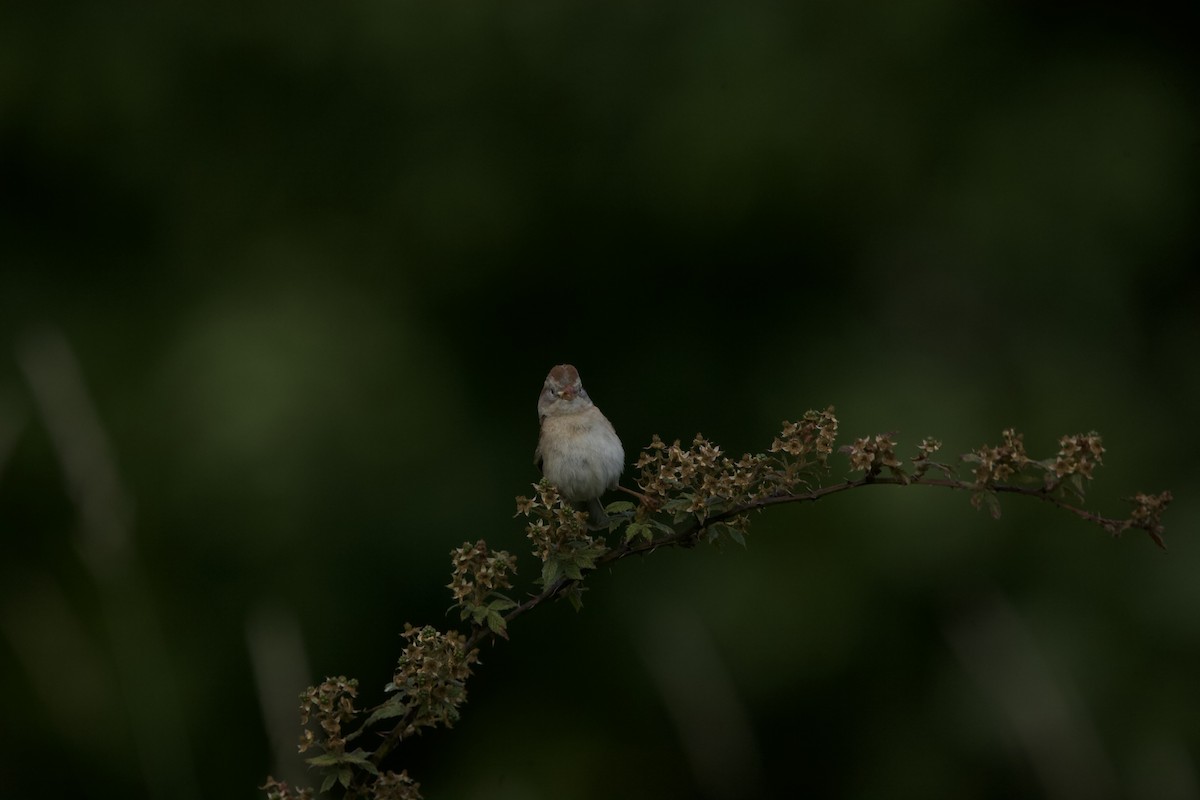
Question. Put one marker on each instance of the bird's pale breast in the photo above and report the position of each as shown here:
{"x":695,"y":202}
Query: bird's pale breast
{"x":581,"y":454}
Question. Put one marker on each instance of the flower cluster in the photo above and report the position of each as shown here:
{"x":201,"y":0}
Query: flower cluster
{"x":1147,"y":514}
{"x":871,"y":454}
{"x":429,"y":685}
{"x":383,"y":786}
{"x":395,"y":786}
{"x":280,"y":790}
{"x":479,"y":575}
{"x":333,"y":705}
{"x":430,"y":679}
{"x":555,"y":524}
{"x":814,"y":433}
{"x":1000,"y":463}
{"x":701,"y":480}
{"x":1078,"y":455}
{"x":479,"y":572}
{"x":925,"y":449}
{"x":697,"y":479}
{"x":560,"y":535}
{"x":702,"y":484}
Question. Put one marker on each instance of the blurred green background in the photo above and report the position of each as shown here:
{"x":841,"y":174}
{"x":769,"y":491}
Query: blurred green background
{"x":281,"y":282}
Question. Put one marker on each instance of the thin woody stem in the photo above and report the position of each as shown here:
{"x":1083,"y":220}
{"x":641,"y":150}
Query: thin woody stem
{"x":689,"y":534}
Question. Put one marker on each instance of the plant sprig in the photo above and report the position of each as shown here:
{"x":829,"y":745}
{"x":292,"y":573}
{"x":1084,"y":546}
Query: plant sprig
{"x":685,"y":495}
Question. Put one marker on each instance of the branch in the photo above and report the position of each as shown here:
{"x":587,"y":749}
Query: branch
{"x":687,"y":495}
{"x":690,"y":535}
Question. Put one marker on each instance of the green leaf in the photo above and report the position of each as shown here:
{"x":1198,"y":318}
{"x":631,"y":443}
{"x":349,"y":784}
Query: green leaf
{"x":550,"y":571}
{"x":571,"y":569}
{"x":737,"y":536}
{"x":636,"y":529}
{"x":619,"y":507}
{"x":327,"y":784}
{"x":344,"y":777}
{"x":361,"y":758}
{"x":502,"y":604}
{"x":394,"y":707}
{"x":496,"y":622}
{"x":678,"y":504}
{"x":586,"y":559}
{"x":662,"y":526}
{"x":324,"y":760}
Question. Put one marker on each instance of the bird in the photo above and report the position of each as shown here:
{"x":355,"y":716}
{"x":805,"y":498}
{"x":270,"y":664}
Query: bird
{"x":578,"y":451}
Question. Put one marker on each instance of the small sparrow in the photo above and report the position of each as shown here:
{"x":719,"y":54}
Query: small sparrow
{"x":578,"y":450}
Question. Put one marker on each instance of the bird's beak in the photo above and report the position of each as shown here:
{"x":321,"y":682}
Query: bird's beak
{"x":567,"y":393}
